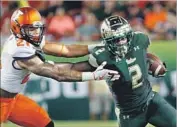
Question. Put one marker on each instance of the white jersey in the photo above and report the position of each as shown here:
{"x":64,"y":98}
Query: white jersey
{"x":14,"y":78}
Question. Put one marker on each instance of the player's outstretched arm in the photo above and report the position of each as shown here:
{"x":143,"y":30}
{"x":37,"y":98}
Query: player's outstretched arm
{"x":74,"y":50}
{"x":80,"y":66}
{"x":36,"y":66}
{"x":62,"y":72}
{"x":99,"y":72}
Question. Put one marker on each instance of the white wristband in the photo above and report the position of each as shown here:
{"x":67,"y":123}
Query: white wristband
{"x":87,"y":76}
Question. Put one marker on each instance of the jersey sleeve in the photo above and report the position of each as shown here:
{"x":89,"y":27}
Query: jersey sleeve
{"x":92,"y":61}
{"x":142,"y":39}
{"x":147,"y":41}
{"x":98,"y":56}
{"x":23,"y":52}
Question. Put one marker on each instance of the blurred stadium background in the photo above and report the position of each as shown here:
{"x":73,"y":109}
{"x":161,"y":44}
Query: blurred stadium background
{"x":69,"y":22}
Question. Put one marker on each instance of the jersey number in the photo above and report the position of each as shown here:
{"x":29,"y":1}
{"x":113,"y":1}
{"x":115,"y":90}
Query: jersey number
{"x":136,"y":74}
{"x":99,"y":51}
{"x":22,"y":43}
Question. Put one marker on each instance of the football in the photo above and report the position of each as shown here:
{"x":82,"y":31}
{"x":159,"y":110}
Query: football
{"x":156,"y":66}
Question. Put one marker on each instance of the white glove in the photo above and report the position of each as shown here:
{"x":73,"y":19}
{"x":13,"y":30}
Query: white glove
{"x":101,"y":74}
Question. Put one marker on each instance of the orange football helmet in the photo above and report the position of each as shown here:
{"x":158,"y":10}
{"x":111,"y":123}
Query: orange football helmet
{"x":26,"y":23}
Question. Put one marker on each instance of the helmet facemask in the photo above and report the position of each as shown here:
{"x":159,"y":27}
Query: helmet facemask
{"x":120,"y":45}
{"x":117,"y":38}
{"x":33,"y":33}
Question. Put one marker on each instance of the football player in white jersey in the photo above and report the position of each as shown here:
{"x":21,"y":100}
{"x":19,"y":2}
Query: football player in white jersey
{"x":21,"y":56}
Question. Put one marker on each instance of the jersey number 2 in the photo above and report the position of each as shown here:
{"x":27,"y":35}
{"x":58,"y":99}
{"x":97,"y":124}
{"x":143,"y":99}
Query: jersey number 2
{"x":99,"y":51}
{"x":136,"y":74}
{"x":136,"y":77}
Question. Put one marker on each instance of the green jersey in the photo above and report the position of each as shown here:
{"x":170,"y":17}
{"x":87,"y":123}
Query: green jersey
{"x":133,"y":89}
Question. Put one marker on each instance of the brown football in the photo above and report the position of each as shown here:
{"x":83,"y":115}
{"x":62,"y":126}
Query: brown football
{"x":156,"y":66}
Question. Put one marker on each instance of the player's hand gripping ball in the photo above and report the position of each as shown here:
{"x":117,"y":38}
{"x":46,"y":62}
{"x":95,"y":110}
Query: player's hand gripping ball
{"x":157,"y":68}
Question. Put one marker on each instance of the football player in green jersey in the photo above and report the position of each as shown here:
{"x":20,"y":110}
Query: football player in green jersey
{"x":125,"y":51}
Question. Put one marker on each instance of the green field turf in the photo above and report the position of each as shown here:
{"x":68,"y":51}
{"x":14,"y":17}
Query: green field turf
{"x":80,"y":124}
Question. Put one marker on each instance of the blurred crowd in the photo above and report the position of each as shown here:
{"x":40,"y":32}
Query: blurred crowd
{"x":73,"y":21}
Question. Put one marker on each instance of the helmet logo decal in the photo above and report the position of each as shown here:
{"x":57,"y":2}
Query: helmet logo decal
{"x":16,"y":15}
{"x":114,"y":21}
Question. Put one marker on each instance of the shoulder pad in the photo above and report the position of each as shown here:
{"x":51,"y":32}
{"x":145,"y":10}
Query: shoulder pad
{"x":141,"y":39}
{"x":101,"y":54}
{"x":99,"y":50}
{"x":92,"y":61}
{"x":23,"y":52}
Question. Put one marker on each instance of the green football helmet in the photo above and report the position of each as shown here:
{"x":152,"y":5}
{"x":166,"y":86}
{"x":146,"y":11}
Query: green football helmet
{"x":117,"y":34}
